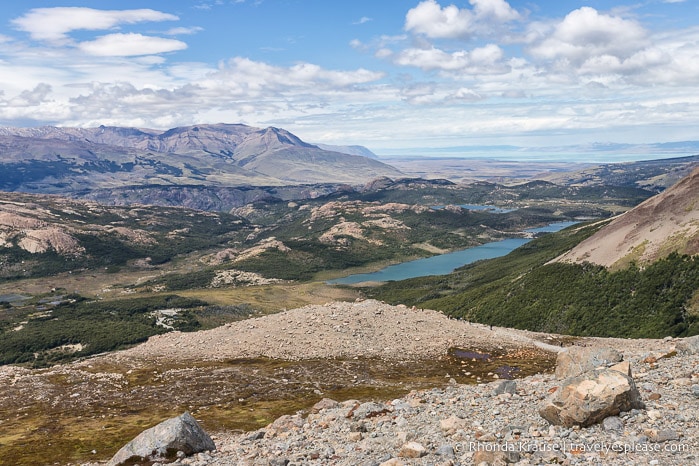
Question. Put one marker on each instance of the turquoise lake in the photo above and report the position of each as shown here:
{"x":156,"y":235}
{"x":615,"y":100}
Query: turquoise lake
{"x":446,"y":263}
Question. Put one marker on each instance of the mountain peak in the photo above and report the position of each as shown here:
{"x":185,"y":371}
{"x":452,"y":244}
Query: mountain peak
{"x":61,"y":159}
{"x":284,"y":137}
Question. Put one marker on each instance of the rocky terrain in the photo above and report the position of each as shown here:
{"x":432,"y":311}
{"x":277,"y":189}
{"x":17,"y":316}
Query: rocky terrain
{"x":365,"y":329}
{"x":493,"y":422}
{"x":470,"y":417}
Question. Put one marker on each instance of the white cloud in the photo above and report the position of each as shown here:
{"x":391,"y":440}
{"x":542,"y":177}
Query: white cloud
{"x":436,"y":22}
{"x":587,"y":72}
{"x":421,"y":93}
{"x":481,"y":60}
{"x":127,"y":45}
{"x":585,"y":33}
{"x":256,"y":76}
{"x":466,"y":94}
{"x":362,"y":20}
{"x":498,"y":10}
{"x":383,"y":53}
{"x":431,"y":59}
{"x":32,"y":97}
{"x":183,"y":31}
{"x":639,"y":62}
{"x":430,"y":19}
{"x":54,"y":24}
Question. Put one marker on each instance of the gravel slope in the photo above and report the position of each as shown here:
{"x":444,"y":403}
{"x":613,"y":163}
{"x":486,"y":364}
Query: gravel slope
{"x":360,"y":329}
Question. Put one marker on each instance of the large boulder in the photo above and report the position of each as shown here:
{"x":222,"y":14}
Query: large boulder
{"x":162,"y":442}
{"x":688,"y":345}
{"x":577,"y":360}
{"x":589,"y":398}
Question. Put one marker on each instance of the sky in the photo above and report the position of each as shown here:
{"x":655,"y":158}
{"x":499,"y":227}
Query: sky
{"x":393,"y":75}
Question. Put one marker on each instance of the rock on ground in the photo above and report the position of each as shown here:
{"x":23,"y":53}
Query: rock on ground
{"x":688,"y":345}
{"x":589,"y":398}
{"x":180,"y":435}
{"x":577,"y":360}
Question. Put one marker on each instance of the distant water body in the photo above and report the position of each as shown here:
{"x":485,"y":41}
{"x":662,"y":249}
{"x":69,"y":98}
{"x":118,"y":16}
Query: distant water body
{"x":487,"y":208}
{"x":444,"y":264}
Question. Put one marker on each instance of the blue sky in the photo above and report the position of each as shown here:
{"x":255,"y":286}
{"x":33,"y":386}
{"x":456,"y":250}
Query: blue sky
{"x":393,"y":75}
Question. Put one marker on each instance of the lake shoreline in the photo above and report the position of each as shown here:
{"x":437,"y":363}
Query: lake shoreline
{"x":444,"y":264}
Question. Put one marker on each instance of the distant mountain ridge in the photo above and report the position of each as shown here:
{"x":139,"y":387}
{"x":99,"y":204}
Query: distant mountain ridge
{"x":353,"y":150}
{"x":59,"y":160}
{"x":654,"y":175}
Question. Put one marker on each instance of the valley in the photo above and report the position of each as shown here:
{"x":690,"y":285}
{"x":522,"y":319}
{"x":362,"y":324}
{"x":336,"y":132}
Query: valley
{"x":138,"y":286}
{"x":72,"y":261}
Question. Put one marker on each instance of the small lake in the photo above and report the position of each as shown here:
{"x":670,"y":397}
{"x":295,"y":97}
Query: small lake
{"x":11,"y":298}
{"x":444,"y":264}
{"x":487,"y":208}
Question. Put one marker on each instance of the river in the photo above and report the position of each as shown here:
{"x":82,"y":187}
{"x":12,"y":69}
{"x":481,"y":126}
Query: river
{"x":444,"y":264}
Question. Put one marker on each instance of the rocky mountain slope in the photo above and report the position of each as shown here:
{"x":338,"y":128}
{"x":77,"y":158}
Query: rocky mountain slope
{"x":62,"y":160}
{"x":665,"y":223}
{"x":452,"y":422}
{"x":494,"y":423}
{"x":42,"y":235}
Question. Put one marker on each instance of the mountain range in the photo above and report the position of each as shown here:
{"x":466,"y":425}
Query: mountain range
{"x":63,"y":160}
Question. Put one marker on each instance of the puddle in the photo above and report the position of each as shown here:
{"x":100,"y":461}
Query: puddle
{"x":460,"y":353}
{"x":507,"y":372}
{"x":484,"y":367}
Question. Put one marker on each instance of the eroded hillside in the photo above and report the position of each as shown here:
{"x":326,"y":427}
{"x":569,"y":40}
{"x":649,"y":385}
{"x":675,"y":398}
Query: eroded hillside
{"x":44,"y":235}
{"x":668,"y":222}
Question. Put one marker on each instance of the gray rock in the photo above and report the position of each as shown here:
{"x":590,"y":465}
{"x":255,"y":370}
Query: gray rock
{"x":577,"y":360}
{"x":284,"y":425}
{"x":371,"y":409}
{"x":659,"y":436}
{"x":589,"y":398}
{"x":446,"y":451}
{"x":496,"y":457}
{"x":412,"y":450}
{"x":613,"y":423}
{"x":325,"y":403}
{"x":549,"y":456}
{"x":688,"y":345}
{"x":179,"y":434}
{"x":257,"y":435}
{"x":278,"y":462}
{"x":695,"y":390}
{"x":512,"y":432}
{"x":506,"y":386}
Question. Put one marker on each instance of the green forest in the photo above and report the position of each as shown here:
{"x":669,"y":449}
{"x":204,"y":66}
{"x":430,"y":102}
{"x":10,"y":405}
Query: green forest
{"x":48,"y":337}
